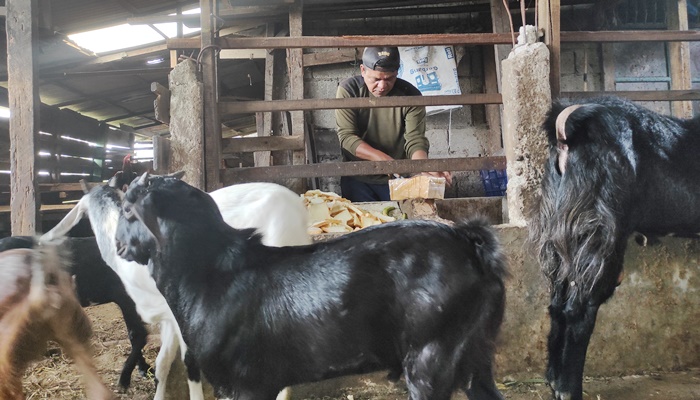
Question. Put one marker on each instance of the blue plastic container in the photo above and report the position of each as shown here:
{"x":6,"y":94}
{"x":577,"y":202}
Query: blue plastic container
{"x":495,"y":182}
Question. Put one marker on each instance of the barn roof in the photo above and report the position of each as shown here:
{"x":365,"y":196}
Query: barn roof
{"x":115,"y":88}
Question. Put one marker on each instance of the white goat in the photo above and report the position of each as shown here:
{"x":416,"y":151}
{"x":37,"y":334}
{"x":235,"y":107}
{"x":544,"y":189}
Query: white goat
{"x":277,"y":213}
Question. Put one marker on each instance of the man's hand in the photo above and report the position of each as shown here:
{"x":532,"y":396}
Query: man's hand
{"x":422,"y":155}
{"x":442,"y":174}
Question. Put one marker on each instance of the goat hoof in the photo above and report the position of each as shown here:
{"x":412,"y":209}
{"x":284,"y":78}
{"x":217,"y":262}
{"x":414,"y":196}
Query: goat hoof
{"x":562,"y":396}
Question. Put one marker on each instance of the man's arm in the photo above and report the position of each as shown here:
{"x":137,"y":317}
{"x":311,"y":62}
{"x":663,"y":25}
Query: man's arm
{"x":423,"y":155}
{"x":417,"y":144}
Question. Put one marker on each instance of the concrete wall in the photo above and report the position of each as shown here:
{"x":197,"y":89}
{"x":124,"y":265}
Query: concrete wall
{"x":650,"y":323}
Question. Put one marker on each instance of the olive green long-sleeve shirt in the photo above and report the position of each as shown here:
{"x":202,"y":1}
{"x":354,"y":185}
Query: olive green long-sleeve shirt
{"x":398,"y":132}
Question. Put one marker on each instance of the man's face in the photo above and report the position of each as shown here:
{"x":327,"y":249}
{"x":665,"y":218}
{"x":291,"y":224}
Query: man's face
{"x":379,"y":83}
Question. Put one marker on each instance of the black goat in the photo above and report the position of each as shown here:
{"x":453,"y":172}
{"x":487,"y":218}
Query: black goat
{"x":421,"y":298}
{"x":96,"y":283}
{"x":614,"y":168}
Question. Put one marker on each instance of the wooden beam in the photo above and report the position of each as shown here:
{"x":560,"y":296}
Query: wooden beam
{"x":332,"y":57}
{"x":295,"y":70}
{"x":348,"y":41}
{"x":629,"y":36}
{"x":239,"y":107}
{"x":264,"y":143}
{"x":50,"y":77}
{"x":645,"y":95}
{"x":679,"y":56}
{"x":352,"y":168}
{"x":24,"y":104}
{"x":121,"y":55}
{"x":212,"y":123}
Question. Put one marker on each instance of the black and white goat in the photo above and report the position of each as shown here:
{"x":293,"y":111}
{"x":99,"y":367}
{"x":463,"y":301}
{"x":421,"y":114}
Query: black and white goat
{"x":614,"y":168}
{"x":277,"y":211}
{"x":38,"y":304}
{"x":96,"y":283}
{"x":419,"y":298}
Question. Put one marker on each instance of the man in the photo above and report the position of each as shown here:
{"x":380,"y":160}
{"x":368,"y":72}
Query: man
{"x":379,"y":134}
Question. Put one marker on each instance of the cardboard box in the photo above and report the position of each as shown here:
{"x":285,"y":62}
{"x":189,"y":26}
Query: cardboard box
{"x":420,"y":186}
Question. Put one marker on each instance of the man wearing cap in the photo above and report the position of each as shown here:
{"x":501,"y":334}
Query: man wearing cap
{"x":379,"y":134}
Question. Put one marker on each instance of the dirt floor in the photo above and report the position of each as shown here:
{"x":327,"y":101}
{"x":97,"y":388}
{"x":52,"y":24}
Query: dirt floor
{"x":55,"y":378}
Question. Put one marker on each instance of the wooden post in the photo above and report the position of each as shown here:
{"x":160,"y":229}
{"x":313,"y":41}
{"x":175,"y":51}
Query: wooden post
{"x":23,"y":99}
{"x":492,"y":69}
{"x":262,"y":158}
{"x":608,"y":61}
{"x":295,"y":66}
{"x":212,"y":124}
{"x":493,"y":111}
{"x":548,"y":14}
{"x":679,"y":56}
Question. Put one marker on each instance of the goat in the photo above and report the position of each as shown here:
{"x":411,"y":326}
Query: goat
{"x":276,"y":210}
{"x":614,"y":168}
{"x":417,"y":297}
{"x":96,"y":283}
{"x":37,"y":304}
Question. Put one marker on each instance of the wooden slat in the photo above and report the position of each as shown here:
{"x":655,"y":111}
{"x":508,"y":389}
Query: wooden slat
{"x":24,"y":104}
{"x":239,"y":107}
{"x":67,"y":164}
{"x":332,"y":57}
{"x":65,"y":187}
{"x":347,"y":41}
{"x":271,"y":174}
{"x":629,"y":36}
{"x":263,"y":143}
{"x":646,"y":95}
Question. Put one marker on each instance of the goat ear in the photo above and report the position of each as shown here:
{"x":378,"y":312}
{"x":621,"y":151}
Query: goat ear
{"x":144,"y":212}
{"x":178,"y":174}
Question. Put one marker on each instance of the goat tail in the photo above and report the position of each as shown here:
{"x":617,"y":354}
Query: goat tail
{"x":50,"y":279}
{"x":487,"y":247}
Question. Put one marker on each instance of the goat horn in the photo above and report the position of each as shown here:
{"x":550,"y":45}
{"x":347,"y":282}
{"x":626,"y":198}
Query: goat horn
{"x":143,"y":179}
{"x":178,"y":174}
{"x":561,"y":121}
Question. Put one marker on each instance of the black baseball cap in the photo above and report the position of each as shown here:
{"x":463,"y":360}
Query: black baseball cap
{"x":385,"y":59}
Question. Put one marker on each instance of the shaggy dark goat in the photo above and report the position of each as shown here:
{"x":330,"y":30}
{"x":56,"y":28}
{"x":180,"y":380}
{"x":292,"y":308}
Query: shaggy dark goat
{"x":96,"y":283}
{"x":421,"y":298}
{"x":614,"y":168}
